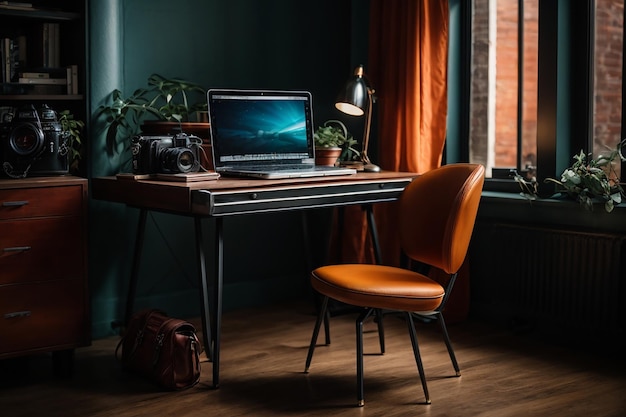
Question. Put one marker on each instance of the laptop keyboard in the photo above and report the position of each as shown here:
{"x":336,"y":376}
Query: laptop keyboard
{"x":277,"y":167}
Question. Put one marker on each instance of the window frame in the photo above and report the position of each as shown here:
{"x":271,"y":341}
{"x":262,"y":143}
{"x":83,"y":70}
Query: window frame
{"x":566,"y":39}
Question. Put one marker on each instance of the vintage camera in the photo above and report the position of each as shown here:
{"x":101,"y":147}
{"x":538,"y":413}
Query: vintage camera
{"x":171,"y":154}
{"x":33,"y":143}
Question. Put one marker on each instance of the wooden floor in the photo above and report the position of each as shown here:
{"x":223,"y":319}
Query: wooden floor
{"x":262,"y":375}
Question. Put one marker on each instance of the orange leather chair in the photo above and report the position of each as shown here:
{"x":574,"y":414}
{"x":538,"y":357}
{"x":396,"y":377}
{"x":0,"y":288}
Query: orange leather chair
{"x":437,"y":212}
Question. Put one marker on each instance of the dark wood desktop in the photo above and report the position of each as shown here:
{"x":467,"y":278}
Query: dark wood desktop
{"x":235,"y":196}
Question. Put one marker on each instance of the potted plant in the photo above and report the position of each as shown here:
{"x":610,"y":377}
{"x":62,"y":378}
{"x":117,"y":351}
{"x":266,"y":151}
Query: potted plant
{"x":164,"y":105}
{"x":333,"y":143}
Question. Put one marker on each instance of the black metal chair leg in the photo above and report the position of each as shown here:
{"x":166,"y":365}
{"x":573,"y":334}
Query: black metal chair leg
{"x":381,"y":329}
{"x":359,"y":355}
{"x":446,"y":339}
{"x":327,"y":327}
{"x":416,"y":352}
{"x":322,"y":316}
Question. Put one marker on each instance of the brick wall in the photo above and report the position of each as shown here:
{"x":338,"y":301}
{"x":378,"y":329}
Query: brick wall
{"x":609,"y":48}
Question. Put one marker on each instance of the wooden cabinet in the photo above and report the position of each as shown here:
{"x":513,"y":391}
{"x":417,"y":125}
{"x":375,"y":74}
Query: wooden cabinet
{"x":44,"y":299}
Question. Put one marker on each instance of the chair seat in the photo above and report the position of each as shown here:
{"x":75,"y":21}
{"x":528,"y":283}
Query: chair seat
{"x":378,"y":286}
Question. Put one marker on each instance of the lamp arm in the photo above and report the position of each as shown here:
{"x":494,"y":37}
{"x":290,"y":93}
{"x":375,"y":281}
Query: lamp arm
{"x":368,"y":123}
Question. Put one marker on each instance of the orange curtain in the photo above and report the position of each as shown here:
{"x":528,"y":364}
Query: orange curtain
{"x":407,"y":66}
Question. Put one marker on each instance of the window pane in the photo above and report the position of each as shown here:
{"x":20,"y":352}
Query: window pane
{"x":608,"y":51}
{"x":528,"y":135}
{"x":503,"y":127}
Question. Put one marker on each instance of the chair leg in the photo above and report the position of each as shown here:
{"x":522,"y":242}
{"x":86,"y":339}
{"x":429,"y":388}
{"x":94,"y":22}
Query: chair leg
{"x":322,"y":316}
{"x":416,"y":352}
{"x":381,"y":329}
{"x":446,"y":338}
{"x":327,"y":327}
{"x":359,"y":355}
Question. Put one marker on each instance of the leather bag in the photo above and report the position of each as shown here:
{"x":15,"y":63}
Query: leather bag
{"x":163,"y":349}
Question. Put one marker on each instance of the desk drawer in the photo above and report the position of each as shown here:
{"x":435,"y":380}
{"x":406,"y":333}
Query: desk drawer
{"x":37,"y":202}
{"x":43,"y":316}
{"x":40,"y":249}
{"x":329,"y":194}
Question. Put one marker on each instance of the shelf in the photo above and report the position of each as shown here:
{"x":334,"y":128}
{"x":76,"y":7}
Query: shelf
{"x":51,"y":15}
{"x":28,"y":97}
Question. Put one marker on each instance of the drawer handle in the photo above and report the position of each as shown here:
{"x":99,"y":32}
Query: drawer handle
{"x":17,"y":249}
{"x":17,"y":314}
{"x":14,"y":203}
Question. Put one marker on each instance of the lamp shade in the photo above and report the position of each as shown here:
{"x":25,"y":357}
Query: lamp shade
{"x":353,"y":98}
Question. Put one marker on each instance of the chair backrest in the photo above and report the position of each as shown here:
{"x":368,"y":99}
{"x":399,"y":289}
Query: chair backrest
{"x":437,"y":214}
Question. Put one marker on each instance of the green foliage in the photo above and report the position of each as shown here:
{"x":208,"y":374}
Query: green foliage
{"x":587,"y":180}
{"x":166,"y":99}
{"x":334,"y":134}
{"x":73,"y":129}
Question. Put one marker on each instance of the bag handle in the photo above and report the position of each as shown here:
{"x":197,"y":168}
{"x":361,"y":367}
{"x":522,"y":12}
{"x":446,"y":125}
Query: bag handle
{"x":146,"y":314}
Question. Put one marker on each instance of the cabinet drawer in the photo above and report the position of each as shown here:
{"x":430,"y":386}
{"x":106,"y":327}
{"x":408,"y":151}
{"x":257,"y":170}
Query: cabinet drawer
{"x":37,"y":202}
{"x":41,"y":249}
{"x":42,"y":316}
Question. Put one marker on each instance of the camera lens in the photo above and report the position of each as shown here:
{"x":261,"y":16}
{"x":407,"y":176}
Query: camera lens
{"x":26,"y":139}
{"x":177,"y":160}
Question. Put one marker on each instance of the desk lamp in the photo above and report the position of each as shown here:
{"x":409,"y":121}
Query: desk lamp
{"x":356,"y":99}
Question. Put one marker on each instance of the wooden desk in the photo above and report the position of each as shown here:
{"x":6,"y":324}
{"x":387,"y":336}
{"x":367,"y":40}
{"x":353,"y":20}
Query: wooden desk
{"x":231,"y":197}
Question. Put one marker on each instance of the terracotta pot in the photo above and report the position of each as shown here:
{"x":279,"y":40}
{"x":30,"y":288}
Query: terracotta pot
{"x":327,"y":156}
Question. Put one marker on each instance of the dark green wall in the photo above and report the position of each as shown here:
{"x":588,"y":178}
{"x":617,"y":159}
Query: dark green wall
{"x":277,"y":44}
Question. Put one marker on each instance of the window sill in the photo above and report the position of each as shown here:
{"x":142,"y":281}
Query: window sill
{"x":512,"y":207}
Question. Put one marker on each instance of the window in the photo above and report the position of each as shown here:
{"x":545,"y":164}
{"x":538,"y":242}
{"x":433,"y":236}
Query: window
{"x":503,"y":89}
{"x":607,"y":70}
{"x":540,"y":90}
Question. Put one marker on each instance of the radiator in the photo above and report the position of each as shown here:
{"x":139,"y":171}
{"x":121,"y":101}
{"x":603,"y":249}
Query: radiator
{"x":573,"y":280}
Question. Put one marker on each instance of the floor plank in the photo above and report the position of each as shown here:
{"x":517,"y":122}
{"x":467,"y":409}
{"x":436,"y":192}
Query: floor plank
{"x":264,"y":349}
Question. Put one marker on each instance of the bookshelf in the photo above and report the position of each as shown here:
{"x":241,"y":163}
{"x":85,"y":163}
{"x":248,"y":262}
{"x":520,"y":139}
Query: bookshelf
{"x":43,"y":45}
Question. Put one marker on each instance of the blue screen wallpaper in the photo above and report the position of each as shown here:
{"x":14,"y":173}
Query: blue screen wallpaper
{"x":257,"y":129}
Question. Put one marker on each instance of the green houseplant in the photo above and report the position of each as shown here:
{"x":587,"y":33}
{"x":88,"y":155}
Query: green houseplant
{"x":586,"y":181}
{"x":73,"y":129}
{"x":334,"y":143}
{"x":171,"y":100}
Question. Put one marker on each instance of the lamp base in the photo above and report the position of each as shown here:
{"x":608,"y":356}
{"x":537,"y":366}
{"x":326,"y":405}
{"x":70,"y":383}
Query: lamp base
{"x":358,"y":165}
{"x":365,"y":166}
{"x":369,"y":167}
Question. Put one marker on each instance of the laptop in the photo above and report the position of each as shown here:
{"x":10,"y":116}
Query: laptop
{"x":264,"y":134}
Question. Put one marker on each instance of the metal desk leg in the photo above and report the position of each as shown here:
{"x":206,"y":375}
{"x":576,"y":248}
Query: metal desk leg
{"x":378,"y":257}
{"x":217,"y":312}
{"x":373,"y":233}
{"x":134,"y":274}
{"x":204,"y":290}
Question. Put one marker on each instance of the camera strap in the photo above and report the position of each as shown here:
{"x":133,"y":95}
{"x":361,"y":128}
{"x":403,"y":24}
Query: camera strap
{"x":8,"y":169}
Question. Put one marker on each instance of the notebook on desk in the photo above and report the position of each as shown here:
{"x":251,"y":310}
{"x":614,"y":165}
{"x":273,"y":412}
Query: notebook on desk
{"x":264,"y":134}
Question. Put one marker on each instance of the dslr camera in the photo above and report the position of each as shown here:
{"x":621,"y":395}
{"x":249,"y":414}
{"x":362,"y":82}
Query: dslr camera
{"x":170,"y":154}
{"x":33,"y":143}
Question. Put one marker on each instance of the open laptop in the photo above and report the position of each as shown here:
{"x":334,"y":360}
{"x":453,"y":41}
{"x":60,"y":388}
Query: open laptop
{"x":264,"y":134}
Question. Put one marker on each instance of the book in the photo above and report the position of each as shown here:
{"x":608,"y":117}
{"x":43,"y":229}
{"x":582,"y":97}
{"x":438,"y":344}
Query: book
{"x":15,"y":5}
{"x":54,"y":45}
{"x":133,"y":177}
{"x":34,"y":75}
{"x":6,"y":60}
{"x":53,"y":81}
{"x":68,"y":77}
{"x":189,"y":176}
{"x":74,"y":76}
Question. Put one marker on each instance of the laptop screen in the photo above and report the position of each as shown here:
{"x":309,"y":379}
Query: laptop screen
{"x":252,"y":127}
